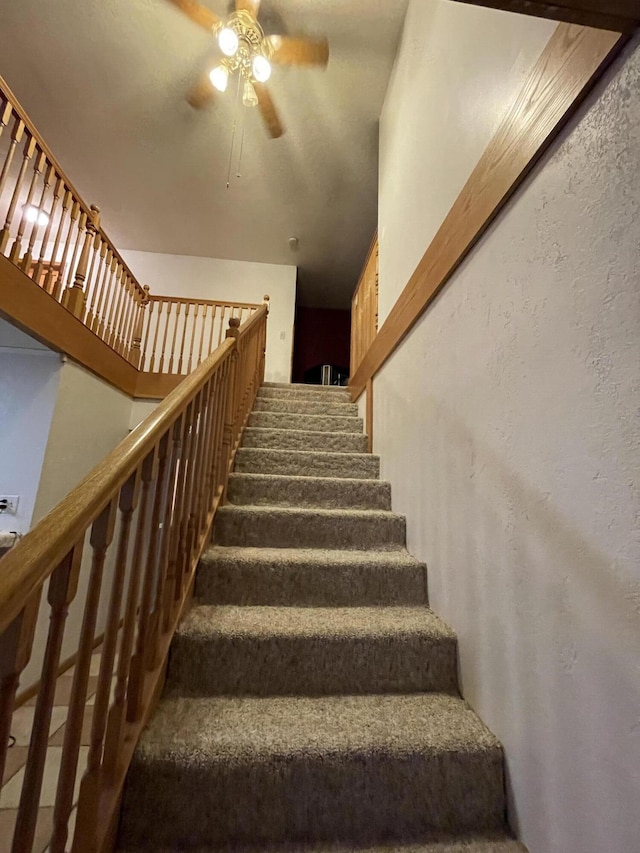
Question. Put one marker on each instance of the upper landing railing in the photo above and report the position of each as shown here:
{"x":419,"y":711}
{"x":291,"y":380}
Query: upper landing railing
{"x":56,"y":239}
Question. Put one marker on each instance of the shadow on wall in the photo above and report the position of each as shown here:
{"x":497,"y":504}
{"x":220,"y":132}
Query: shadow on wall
{"x":521,"y":584}
{"x":322,"y":336}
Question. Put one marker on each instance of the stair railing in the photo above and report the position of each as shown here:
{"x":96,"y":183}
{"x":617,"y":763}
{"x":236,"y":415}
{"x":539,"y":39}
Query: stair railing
{"x":129,"y":537}
{"x":49,"y":232}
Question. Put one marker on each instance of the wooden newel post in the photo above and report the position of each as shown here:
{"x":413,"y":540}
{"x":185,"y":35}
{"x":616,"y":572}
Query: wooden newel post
{"x":263,"y":355}
{"x":136,"y":352}
{"x":74,"y":297}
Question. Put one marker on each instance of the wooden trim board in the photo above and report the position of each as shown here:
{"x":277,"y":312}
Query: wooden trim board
{"x":621,"y":16}
{"x":566,"y":70}
{"x":32,"y":309}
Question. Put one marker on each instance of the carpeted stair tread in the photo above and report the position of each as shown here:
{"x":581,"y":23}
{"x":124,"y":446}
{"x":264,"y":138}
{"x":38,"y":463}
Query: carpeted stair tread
{"x":269,"y":651}
{"x":310,"y":577}
{"x":301,"y":386}
{"x":310,"y":423}
{"x":496,"y":844}
{"x":299,"y":406}
{"x":311,"y":394}
{"x":251,"y":770}
{"x":300,"y":527}
{"x":304,"y":463}
{"x":295,"y":491}
{"x":298,"y":439}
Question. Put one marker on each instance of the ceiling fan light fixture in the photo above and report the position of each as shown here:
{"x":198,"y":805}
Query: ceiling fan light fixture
{"x":261,"y":68}
{"x":34,"y":214}
{"x":249,"y":97}
{"x":219,"y":77}
{"x":228,"y":41}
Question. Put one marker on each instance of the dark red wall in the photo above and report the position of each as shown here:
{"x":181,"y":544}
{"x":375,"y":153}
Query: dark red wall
{"x":322,"y":336}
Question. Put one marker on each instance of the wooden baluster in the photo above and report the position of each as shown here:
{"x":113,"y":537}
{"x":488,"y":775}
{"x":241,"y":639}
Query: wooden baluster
{"x":223,"y":390}
{"x":193,"y":487}
{"x":106,"y":263}
{"x":5,"y":115}
{"x":74,"y":299}
{"x":147,"y":319}
{"x":100,"y":539}
{"x":118,"y":712}
{"x":58,"y":191}
{"x":38,"y":166}
{"x":160,"y":624}
{"x":205,"y":491}
{"x":222,"y":329}
{"x":63,"y":586}
{"x":136,"y":356}
{"x":115,"y":309}
{"x":230,"y":403}
{"x":93,"y":277}
{"x":175,"y":336}
{"x":28,"y":151}
{"x":214,"y":310}
{"x":135,"y":295}
{"x":193,"y":336}
{"x":135,"y":706}
{"x":102,"y":320}
{"x":161,"y":368}
{"x":15,"y":650}
{"x":49,"y":172}
{"x":78,"y":240}
{"x":178,"y":527}
{"x":203,"y":324}
{"x":51,"y":285}
{"x":123,"y":314}
{"x":16,"y":138}
{"x":184,"y":336}
{"x":158,"y":322}
{"x":91,"y":781}
{"x":176,"y":521}
{"x":127,"y":321}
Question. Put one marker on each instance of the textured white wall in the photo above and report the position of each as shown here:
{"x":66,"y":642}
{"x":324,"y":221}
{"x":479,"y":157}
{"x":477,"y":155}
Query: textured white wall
{"x":458,"y":69}
{"x":28,"y":387}
{"x":507,"y":423}
{"x":211,"y":278}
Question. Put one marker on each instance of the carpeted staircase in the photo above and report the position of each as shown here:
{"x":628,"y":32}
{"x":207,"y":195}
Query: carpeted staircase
{"x":311,"y":700}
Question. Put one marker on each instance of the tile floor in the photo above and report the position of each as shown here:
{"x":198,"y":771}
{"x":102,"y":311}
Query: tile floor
{"x":21,"y":726}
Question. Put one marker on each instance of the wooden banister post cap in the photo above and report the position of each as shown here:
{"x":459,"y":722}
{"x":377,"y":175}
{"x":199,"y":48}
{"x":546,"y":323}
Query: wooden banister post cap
{"x":145,"y":298}
{"x":95,"y":215}
{"x":233,"y":331}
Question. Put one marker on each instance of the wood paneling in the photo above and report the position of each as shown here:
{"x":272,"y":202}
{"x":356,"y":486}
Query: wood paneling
{"x":364,"y":308}
{"x":621,"y":16}
{"x":27,"y":305}
{"x":564,"y":73}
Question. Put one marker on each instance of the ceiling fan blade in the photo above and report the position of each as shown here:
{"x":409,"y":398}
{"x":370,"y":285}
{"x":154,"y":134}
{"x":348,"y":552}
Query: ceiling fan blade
{"x":268,"y":110}
{"x":202,"y":95}
{"x":299,"y":51}
{"x":198,"y":13}
{"x":251,"y":6}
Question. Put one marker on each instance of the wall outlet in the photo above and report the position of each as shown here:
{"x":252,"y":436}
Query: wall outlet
{"x":9,"y":504}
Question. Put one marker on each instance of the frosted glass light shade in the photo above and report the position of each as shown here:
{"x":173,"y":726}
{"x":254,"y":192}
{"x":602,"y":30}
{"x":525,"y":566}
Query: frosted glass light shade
{"x":219,"y":78}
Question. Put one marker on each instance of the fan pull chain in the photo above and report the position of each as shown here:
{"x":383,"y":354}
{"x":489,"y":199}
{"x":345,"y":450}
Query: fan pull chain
{"x":238,"y":174}
{"x":233,"y":132}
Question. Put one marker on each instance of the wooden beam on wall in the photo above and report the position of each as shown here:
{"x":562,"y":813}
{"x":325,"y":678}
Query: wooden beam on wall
{"x":622,"y":16}
{"x":567,"y":69}
{"x":27,"y":305}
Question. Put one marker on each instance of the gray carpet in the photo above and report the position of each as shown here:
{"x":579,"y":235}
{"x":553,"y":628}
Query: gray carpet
{"x":311,"y":702}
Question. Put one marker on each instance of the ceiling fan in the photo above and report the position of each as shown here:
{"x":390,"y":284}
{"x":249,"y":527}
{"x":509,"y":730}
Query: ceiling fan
{"x":248,"y":52}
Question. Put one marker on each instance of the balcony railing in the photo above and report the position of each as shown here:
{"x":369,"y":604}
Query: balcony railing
{"x":56,"y":239}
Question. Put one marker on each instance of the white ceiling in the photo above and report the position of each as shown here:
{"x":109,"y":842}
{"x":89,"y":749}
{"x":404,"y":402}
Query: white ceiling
{"x":105,"y":80}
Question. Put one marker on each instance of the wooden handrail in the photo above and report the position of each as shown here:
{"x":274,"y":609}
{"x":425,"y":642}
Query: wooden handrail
{"x":192,"y":300}
{"x":133,"y":530}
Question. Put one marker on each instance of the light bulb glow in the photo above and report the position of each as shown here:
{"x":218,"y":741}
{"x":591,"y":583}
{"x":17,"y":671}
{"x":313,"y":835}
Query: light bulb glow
{"x":219,"y":78}
{"x":228,"y":41}
{"x":261,"y":68}
{"x":34,"y":214}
